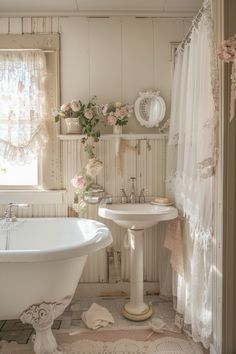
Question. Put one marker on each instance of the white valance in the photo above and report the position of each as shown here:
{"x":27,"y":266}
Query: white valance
{"x":23,"y":104}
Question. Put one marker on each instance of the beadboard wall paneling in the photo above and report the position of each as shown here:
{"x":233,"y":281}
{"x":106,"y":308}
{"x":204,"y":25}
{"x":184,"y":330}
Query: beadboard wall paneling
{"x":144,"y":159}
{"x":113,"y":58}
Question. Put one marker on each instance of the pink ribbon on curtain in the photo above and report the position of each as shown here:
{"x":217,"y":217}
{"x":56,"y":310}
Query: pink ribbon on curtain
{"x":173,"y":242}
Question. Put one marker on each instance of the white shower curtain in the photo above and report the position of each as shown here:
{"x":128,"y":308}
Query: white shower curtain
{"x":191,"y":160}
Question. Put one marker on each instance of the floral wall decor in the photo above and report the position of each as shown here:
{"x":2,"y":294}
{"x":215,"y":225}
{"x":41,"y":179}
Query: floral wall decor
{"x":116,"y":113}
{"x":227,"y":53}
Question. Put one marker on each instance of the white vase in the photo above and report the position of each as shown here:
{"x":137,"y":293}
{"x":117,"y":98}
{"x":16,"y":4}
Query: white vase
{"x":72,"y":126}
{"x":117,"y":129}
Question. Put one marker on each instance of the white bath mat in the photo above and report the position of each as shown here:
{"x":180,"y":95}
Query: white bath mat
{"x":126,"y":346}
{"x":164,"y":345}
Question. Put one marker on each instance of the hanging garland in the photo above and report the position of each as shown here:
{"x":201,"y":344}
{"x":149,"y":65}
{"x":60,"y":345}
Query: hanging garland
{"x":87,"y":115}
{"x":227,"y":53}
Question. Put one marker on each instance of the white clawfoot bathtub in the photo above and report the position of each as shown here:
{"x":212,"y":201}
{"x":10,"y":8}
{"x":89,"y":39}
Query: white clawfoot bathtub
{"x":41,"y":261}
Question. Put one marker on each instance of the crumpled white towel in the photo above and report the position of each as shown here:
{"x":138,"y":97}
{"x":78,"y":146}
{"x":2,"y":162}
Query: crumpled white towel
{"x":97,"y":316}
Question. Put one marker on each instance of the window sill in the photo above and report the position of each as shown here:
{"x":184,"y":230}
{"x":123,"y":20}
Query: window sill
{"x":32,"y":196}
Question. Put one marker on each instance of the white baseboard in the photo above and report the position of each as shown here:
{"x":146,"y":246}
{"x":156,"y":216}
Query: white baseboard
{"x":95,"y":289}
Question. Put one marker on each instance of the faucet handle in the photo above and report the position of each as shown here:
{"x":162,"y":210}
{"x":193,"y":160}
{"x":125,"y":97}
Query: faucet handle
{"x":132,"y":178}
{"x":142,"y":196}
{"x":124,"y":198}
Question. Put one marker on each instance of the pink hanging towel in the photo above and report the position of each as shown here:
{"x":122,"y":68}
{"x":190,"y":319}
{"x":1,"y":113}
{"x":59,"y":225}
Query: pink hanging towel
{"x":173,"y":241}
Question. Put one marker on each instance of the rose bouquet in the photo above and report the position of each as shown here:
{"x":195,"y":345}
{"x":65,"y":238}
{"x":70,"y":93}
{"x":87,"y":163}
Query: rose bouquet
{"x":68,"y":110}
{"x":116,"y":113}
{"x":84,"y":181}
{"x":88,"y":118}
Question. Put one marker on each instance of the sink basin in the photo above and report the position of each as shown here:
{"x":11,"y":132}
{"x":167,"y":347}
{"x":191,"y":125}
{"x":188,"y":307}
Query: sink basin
{"x":137,"y":216}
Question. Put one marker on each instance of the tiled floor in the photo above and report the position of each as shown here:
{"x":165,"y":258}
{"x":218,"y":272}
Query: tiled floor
{"x":15,"y":330}
{"x":70,"y":321}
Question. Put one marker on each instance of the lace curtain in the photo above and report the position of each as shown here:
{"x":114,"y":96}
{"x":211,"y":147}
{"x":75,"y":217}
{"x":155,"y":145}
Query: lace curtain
{"x":191,"y":160}
{"x":23,"y":106}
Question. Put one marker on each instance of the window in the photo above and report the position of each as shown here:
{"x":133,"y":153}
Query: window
{"x":23,"y":114}
{"x":25,"y":111}
{"x":14,"y":175}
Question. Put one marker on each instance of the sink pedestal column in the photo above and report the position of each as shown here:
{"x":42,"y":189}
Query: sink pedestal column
{"x":136,"y":309}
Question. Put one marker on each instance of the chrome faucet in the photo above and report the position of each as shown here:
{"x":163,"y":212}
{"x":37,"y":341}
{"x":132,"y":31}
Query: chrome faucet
{"x":132,"y":197}
{"x":10,"y":211}
{"x":124,"y":198}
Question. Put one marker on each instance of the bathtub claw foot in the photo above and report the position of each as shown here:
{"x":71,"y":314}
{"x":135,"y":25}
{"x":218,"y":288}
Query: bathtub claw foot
{"x":41,"y":317}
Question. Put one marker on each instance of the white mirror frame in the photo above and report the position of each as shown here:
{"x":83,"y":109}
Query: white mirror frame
{"x":150,"y":94}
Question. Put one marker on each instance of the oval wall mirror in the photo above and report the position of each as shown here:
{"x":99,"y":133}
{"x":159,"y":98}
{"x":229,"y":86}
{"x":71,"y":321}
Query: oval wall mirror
{"x":150,"y":108}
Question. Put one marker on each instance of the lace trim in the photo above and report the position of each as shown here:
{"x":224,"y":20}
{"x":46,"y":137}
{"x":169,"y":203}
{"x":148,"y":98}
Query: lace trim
{"x":207,"y":167}
{"x":215,"y":82}
{"x":25,"y":154}
{"x":181,"y":187}
{"x":233,"y":90}
{"x":187,"y":328}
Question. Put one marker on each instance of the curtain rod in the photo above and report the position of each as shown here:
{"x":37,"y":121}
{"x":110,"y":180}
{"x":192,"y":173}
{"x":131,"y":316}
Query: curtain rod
{"x":195,"y":22}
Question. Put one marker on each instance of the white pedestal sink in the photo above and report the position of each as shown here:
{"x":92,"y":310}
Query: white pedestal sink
{"x":136,"y":218}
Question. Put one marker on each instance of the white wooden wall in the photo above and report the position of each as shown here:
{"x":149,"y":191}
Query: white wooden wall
{"x":113,"y":58}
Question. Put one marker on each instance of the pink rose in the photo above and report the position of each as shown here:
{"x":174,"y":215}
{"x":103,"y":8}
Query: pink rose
{"x":75,"y":106}
{"x":121,"y":112}
{"x":111,"y":120}
{"x":65,"y":107}
{"x":88,"y":114}
{"x":117,"y":112}
{"x":78,"y":182}
{"x":227,"y":51}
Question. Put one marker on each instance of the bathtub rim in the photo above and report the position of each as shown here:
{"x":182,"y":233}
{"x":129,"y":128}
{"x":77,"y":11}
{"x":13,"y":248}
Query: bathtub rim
{"x":99,"y":241}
